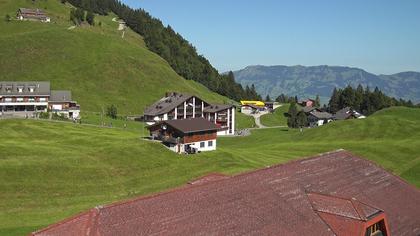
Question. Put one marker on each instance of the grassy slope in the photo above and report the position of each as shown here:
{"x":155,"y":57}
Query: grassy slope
{"x":277,"y":118}
{"x":95,"y":63}
{"x":50,"y":171}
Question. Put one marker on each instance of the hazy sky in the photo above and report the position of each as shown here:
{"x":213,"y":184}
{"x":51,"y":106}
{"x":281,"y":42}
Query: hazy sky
{"x":380,"y":36}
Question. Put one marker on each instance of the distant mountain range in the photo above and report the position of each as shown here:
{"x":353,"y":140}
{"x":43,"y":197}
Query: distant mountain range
{"x":308,"y":81}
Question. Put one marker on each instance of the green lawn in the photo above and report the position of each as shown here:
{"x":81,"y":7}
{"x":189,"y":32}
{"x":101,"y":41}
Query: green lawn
{"x":276,"y":118}
{"x":51,"y":171}
{"x":95,"y":63}
{"x":243,"y":121}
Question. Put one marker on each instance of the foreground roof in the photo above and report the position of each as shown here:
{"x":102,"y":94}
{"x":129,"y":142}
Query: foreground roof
{"x":303,"y":197}
{"x":190,"y":125}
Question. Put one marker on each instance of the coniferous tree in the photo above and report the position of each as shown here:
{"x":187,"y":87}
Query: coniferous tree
{"x":302,"y":119}
{"x":334,"y":101}
{"x":317,"y":101}
{"x":292,"y":116}
{"x":267,"y":98}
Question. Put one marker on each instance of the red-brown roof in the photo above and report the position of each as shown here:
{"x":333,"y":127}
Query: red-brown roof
{"x":288,"y":199}
{"x":190,"y":125}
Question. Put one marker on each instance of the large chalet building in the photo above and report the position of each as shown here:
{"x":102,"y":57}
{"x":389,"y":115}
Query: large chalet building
{"x":31,"y":97}
{"x":332,"y":194}
{"x":178,"y":106}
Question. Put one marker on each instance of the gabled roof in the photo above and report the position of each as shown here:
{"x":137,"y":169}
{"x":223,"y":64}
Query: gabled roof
{"x":321,"y":115}
{"x":39,"y":88}
{"x":217,"y":107}
{"x":60,"y":96}
{"x":346,"y":113}
{"x":277,"y":200}
{"x":166,"y":104}
{"x":191,"y":125}
{"x":33,"y":13}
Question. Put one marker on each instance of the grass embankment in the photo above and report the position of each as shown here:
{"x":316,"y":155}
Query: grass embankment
{"x":95,"y":63}
{"x":50,"y":171}
{"x":276,"y":118}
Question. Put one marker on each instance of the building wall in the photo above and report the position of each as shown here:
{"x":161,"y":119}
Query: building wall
{"x":198,"y":137}
{"x":206,"y":145}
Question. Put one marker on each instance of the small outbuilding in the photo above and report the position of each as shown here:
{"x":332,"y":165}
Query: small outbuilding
{"x":32,"y":14}
{"x":187,"y":135}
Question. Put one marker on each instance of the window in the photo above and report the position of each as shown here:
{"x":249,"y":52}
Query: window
{"x":8,"y":99}
{"x":20,"y":89}
{"x":202,"y":144}
{"x":42,"y":99}
{"x":19,"y":99}
{"x":210,"y":144}
{"x":31,"y":89}
{"x":374,"y":230}
{"x":31,"y":99}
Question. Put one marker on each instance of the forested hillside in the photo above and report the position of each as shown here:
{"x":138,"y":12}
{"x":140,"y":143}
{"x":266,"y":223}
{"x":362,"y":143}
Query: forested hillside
{"x":165,"y":41}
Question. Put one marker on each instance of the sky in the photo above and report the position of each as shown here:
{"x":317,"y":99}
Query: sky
{"x":380,"y":36}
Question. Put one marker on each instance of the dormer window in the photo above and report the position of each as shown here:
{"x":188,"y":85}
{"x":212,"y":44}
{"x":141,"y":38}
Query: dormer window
{"x":9,"y":89}
{"x":31,"y":89}
{"x":20,"y":89}
{"x":376,"y":229}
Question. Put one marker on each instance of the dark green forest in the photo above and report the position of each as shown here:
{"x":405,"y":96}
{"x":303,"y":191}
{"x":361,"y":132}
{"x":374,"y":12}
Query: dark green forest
{"x":178,"y":52}
{"x":363,"y":100}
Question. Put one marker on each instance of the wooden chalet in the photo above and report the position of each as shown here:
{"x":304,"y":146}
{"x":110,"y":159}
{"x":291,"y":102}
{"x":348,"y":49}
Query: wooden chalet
{"x":190,"y":135}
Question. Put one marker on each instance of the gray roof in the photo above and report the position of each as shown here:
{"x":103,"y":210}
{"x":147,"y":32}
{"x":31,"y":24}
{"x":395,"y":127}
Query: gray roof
{"x":321,"y":115}
{"x":343,"y":114}
{"x":166,"y":104}
{"x":9,"y":88}
{"x":60,"y":96}
{"x":216,"y":108}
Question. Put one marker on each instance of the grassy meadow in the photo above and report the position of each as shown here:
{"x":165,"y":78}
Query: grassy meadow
{"x":94,"y":62}
{"x":52,"y":170}
{"x":276,"y":118}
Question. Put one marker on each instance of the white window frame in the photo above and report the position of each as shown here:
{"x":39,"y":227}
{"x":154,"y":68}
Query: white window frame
{"x":210,"y":143}
{"x":202,"y":144}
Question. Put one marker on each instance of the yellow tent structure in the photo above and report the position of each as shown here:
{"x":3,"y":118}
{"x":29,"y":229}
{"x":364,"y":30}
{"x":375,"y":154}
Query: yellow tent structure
{"x":255,"y":103}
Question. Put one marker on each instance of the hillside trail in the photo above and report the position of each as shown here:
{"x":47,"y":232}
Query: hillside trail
{"x":257,"y":118}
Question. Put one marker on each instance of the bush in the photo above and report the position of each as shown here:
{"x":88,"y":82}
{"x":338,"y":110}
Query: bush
{"x":44,"y":115}
{"x":56,"y":116}
{"x":111,"y":111}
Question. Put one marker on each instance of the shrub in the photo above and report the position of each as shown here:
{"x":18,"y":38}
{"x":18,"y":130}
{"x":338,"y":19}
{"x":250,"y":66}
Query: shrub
{"x":111,"y":111}
{"x":44,"y":115}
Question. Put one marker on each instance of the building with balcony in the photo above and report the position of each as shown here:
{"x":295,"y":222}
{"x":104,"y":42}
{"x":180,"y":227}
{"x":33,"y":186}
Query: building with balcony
{"x":223,"y":116}
{"x":189,"y":135}
{"x":178,"y":106}
{"x":31,"y":97}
